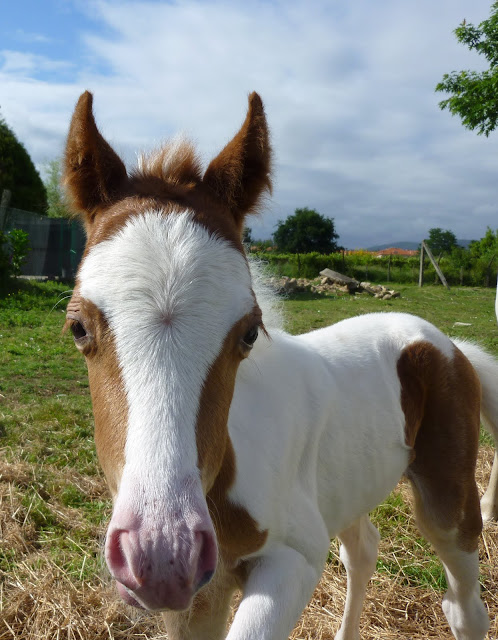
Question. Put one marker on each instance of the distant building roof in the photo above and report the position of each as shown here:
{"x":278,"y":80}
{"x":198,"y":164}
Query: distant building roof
{"x":395,"y":251}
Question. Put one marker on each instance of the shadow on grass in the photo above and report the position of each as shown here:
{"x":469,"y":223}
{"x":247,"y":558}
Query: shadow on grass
{"x":19,"y":292}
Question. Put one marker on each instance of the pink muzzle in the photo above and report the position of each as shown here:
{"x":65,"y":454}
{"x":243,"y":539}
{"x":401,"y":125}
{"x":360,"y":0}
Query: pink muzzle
{"x":159,"y":562}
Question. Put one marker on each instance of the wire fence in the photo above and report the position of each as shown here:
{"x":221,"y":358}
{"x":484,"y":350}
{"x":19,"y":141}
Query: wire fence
{"x":56,"y":244}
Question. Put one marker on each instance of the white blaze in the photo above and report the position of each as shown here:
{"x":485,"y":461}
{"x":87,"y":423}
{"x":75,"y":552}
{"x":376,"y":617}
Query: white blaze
{"x":170,"y":291}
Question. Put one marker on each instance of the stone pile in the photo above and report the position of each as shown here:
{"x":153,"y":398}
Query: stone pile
{"x":331,"y":282}
{"x":379,"y":291}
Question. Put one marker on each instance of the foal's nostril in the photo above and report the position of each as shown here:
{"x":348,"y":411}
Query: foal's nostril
{"x":117,"y":553}
{"x":205,"y":579}
{"x":207,"y":558}
{"x":158,"y":568}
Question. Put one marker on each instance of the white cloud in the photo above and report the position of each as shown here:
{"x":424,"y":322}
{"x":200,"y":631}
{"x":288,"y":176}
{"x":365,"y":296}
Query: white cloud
{"x":27,"y":64}
{"x":348,"y":88}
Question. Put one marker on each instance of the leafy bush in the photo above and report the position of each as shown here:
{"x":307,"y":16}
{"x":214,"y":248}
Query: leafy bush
{"x":361,"y":265}
{"x":301,"y":265}
{"x":19,"y":243}
{"x":14,"y":248}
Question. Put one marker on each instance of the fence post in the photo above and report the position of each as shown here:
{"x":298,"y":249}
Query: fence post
{"x":421,"y":270}
{"x":434,"y":264}
{"x":4,"y":203}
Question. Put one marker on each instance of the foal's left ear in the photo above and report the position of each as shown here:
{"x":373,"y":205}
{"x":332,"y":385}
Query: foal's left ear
{"x":94,"y":174}
{"x":241,"y":172}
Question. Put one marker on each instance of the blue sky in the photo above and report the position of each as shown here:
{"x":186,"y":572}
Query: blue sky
{"x":348,"y":89}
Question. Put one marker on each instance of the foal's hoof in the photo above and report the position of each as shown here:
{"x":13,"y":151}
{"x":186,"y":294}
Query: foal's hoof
{"x":489,"y":512}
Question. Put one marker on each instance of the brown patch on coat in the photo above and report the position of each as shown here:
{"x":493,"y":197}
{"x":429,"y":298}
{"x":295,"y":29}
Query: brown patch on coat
{"x":441,"y":402}
{"x":110,"y":406}
{"x":237,"y":532}
{"x":216,"y":397}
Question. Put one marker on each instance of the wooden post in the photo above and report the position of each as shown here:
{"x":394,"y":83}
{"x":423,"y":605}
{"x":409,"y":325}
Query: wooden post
{"x":4,"y":203}
{"x":389,"y":269}
{"x":421,"y":270}
{"x":434,"y":264}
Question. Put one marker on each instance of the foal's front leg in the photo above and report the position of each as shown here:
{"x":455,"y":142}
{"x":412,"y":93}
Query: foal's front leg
{"x":279,"y":586}
{"x":208,"y":615}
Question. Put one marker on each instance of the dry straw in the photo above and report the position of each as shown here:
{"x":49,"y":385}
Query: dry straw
{"x":41,"y":601}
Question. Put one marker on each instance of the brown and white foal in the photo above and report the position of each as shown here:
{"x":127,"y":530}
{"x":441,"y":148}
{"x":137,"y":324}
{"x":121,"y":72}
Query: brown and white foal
{"x":232,"y":461}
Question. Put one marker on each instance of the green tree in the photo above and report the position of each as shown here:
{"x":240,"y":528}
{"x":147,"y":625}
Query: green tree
{"x":473,"y":95}
{"x":486,"y":246}
{"x":306,"y":231}
{"x":247,"y":236}
{"x":440,"y":241}
{"x":58,"y":206}
{"x":19,"y":175}
{"x":484,"y":253}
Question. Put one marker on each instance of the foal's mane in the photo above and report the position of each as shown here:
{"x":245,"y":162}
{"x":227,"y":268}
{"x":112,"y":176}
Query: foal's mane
{"x":269,"y":302}
{"x":176,"y":162}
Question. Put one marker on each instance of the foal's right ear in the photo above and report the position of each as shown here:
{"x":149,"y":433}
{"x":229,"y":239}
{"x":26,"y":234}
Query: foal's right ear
{"x":94,"y":175}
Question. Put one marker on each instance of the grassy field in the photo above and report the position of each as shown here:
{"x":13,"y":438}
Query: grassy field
{"x":54,"y":504}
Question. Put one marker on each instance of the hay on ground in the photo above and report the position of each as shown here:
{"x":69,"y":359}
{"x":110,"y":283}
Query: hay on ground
{"x":42,"y":601}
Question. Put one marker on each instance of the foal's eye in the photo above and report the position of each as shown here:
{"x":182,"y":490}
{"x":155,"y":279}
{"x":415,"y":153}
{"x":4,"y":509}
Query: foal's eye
{"x":78,"y":331}
{"x":250,"y":337}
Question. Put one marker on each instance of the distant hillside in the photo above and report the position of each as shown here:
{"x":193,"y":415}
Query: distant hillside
{"x":410,"y":245}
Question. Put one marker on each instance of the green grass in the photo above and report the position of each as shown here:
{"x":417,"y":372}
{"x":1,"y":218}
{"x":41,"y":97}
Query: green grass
{"x":46,"y":424}
{"x":43,"y":382}
{"x":46,"y":429}
{"x":405,"y":554}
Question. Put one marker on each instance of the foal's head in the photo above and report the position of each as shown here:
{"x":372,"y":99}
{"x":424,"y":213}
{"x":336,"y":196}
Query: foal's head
{"x":164,"y":312}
